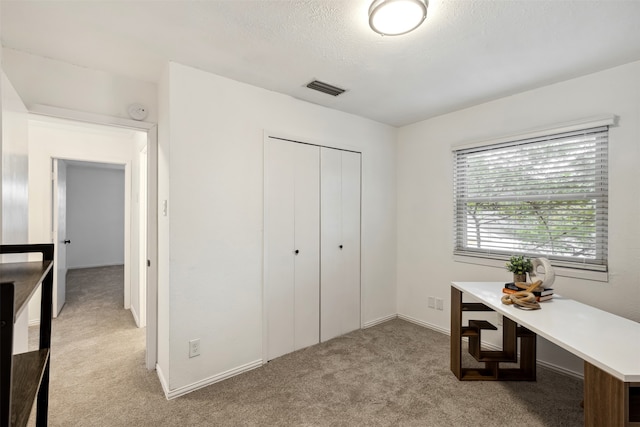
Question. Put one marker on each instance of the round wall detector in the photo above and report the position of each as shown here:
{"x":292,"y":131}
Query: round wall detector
{"x":137,"y":111}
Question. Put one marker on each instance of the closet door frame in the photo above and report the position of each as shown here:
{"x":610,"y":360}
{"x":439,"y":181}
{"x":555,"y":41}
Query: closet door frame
{"x":268,"y":135}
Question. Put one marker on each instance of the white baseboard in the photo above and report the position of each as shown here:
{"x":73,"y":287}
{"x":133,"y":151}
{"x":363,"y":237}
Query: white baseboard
{"x":424,"y":324}
{"x":34,"y":322}
{"x":163,"y":381}
{"x":375,"y":322}
{"x":82,"y":267}
{"x":135,"y":316}
{"x":560,"y":369}
{"x":551,"y":366}
{"x":181,"y":391}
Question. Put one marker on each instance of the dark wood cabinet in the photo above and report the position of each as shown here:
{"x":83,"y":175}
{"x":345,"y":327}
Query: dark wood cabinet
{"x":24,"y":377}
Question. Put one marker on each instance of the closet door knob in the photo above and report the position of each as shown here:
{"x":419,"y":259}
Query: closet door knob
{"x":340,"y":246}
{"x":296,"y":251}
{"x":66,"y":242}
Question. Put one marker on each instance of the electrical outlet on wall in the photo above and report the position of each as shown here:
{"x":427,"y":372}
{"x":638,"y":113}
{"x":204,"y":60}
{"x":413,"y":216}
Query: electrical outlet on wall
{"x":440,"y":304}
{"x":431,"y":302}
{"x":194,"y":347}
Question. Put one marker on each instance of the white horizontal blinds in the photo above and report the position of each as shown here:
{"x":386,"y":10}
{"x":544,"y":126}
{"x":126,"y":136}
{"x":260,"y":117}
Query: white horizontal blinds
{"x":544,"y":196}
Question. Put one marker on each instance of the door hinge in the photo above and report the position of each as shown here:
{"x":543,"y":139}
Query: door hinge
{"x":148,"y":263}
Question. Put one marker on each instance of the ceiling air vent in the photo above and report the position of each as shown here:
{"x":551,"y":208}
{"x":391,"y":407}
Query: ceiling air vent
{"x":325,"y":87}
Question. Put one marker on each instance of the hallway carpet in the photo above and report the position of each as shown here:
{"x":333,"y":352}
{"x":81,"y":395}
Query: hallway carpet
{"x":393,"y":374}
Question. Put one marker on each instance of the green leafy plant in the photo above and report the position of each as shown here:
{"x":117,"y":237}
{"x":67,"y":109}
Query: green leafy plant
{"x":518,"y":264}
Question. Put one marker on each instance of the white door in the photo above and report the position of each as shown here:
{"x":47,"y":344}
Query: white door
{"x":340,"y":243}
{"x":350,"y":250}
{"x":292,"y":231}
{"x":306,"y":245}
{"x":59,"y":234}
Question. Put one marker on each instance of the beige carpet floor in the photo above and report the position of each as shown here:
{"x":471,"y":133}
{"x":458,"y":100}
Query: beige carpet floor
{"x":393,"y":374}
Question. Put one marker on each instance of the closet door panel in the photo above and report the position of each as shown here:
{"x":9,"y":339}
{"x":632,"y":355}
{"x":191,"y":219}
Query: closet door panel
{"x":351,"y":241}
{"x":307,"y":242}
{"x":331,"y":286}
{"x":312,"y":244}
{"x":279,"y":234}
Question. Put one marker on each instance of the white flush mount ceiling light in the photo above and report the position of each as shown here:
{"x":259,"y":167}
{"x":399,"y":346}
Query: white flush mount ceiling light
{"x":396,"y":17}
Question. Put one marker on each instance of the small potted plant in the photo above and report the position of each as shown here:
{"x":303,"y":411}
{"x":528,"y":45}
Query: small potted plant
{"x":519,"y":265}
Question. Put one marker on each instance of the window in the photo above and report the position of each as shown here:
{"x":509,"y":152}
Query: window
{"x":541,"y":196}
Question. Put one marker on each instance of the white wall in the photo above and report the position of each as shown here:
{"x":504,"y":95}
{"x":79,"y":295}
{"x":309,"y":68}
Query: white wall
{"x":46,"y":81}
{"x":51,"y":138}
{"x":14,"y":190}
{"x":213,"y":151}
{"x":95,"y":216}
{"x":425,"y":195}
{"x":14,"y":143}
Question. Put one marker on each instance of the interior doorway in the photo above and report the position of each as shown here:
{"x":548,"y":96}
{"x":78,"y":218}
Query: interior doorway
{"x":89,"y":200}
{"x":125,"y":145}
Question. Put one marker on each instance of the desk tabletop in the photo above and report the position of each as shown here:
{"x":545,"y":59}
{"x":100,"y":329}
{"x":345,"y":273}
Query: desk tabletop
{"x":608,"y":341}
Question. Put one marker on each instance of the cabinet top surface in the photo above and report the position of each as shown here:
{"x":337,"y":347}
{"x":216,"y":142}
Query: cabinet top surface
{"x":603,"y":339}
{"x":26,"y":277}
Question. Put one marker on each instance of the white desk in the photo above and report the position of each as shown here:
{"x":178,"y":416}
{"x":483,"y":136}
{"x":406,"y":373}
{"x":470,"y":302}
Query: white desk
{"x":609,"y":345}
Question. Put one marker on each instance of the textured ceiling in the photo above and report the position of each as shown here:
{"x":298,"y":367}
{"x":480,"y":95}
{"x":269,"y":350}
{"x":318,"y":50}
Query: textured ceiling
{"x":466,"y":52}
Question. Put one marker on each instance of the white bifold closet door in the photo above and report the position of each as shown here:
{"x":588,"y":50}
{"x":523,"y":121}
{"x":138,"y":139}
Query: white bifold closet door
{"x":339,"y":242}
{"x":292,"y":244}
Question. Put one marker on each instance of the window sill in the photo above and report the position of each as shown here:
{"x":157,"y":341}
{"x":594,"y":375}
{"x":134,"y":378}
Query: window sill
{"x":597,"y":276}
